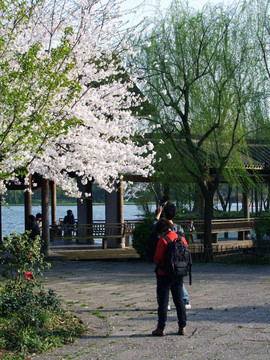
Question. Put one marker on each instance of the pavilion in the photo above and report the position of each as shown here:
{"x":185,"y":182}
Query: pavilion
{"x":114,"y":200}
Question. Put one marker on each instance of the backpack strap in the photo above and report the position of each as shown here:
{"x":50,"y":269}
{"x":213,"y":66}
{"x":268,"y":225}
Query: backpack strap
{"x":167,"y":238}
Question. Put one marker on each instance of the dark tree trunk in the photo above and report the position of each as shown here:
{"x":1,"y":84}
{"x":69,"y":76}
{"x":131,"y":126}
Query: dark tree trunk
{"x":167,"y":190}
{"x":237,"y":199}
{"x":245,"y":201}
{"x":266,"y":202}
{"x":229,"y":198}
{"x":222,"y":202}
{"x":1,"y":218}
{"x":197,"y":202}
{"x":45,"y":216}
{"x":261,"y":202}
{"x":208,"y":216}
{"x":226,"y":202}
{"x":256,"y":202}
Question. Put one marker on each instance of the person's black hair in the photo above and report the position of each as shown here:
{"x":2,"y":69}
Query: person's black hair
{"x":163,"y":226}
{"x":169,"y":211}
{"x":31,"y":218}
{"x":39,"y":215}
{"x":164,"y":200}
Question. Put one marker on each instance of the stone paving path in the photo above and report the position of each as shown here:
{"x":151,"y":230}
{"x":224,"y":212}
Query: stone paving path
{"x":229,"y":319}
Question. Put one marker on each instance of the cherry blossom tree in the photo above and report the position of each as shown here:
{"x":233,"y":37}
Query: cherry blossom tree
{"x":66,"y":94}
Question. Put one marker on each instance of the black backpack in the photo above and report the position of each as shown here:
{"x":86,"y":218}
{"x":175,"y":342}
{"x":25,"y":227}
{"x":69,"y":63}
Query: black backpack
{"x":177,"y":260}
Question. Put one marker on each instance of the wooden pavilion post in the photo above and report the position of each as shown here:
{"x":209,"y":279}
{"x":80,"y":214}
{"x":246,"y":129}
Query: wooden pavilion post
{"x":114,"y":213}
{"x":53,"y":203}
{"x":89,"y":203}
{"x":120,"y":208}
{"x":27,"y":202}
{"x":45,"y":189}
{"x":242,"y":235}
{"x":85,"y":209}
{"x":1,"y":218}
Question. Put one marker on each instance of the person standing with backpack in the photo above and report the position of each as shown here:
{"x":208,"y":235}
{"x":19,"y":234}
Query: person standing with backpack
{"x":168,"y":210}
{"x":165,"y":282}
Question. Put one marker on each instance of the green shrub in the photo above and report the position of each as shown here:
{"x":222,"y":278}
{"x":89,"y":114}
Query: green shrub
{"x":32,"y":319}
{"x":141,"y":235}
{"x":262,"y":227}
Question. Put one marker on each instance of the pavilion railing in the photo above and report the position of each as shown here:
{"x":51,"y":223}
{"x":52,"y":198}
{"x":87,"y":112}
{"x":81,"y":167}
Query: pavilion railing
{"x":105,"y":231}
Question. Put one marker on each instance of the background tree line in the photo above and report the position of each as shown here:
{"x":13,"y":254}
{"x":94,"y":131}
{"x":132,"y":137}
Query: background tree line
{"x":227,"y":202}
{"x":16,"y":197}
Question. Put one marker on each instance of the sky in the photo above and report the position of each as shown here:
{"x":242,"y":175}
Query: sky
{"x":148,"y":6}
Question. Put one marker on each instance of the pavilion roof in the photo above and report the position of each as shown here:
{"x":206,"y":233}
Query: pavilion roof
{"x":260,"y":155}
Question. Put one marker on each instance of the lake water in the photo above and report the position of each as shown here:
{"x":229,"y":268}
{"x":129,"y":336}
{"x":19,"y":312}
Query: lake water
{"x":13,"y":216}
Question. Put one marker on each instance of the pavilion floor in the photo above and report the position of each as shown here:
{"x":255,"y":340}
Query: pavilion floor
{"x":70,"y":250}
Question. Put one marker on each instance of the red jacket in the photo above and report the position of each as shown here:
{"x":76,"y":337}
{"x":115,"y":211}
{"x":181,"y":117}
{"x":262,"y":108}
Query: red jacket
{"x":161,"y":249}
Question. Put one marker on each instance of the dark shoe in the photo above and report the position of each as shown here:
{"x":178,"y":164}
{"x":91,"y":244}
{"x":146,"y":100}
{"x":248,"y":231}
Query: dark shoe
{"x":181,"y":331}
{"x":158,"y":332}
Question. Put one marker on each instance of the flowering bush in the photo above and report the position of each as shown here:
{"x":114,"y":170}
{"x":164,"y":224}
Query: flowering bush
{"x":23,"y":261}
{"x":31,"y":318}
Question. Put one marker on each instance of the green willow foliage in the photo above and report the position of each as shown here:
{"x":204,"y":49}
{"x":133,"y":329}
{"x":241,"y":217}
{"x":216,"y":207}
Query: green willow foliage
{"x":204,"y":76}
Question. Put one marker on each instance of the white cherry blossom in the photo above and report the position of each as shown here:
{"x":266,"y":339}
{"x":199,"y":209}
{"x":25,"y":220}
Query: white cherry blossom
{"x":101,"y":146}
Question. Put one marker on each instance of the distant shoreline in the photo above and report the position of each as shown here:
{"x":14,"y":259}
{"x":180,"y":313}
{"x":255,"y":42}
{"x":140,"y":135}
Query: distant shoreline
{"x":65,"y":204}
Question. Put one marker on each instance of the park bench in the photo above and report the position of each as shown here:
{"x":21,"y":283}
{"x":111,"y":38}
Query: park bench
{"x":89,"y":232}
{"x":240,"y":225}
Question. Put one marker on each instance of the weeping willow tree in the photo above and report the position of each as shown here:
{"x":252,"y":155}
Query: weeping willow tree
{"x":204,"y":79}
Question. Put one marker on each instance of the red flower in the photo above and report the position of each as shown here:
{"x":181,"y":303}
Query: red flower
{"x":28,"y":275}
{"x":31,"y":256}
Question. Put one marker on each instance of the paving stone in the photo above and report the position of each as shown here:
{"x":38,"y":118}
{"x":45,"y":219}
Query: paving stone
{"x":229,"y":318}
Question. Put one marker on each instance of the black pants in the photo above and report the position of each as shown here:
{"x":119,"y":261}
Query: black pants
{"x":164,"y":285}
